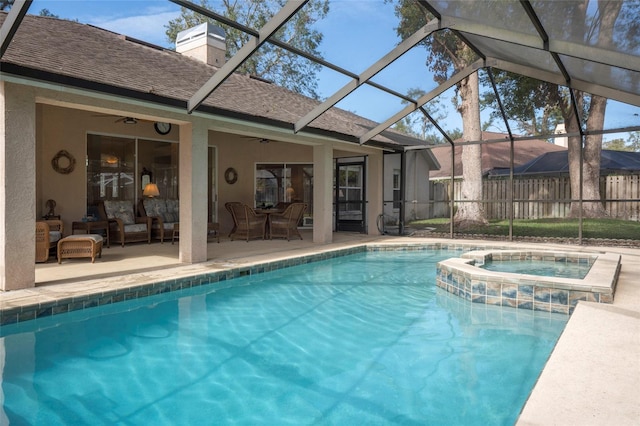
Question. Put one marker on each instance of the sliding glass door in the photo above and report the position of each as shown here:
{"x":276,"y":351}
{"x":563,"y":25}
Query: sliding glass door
{"x":284,"y":183}
{"x":118,"y":167}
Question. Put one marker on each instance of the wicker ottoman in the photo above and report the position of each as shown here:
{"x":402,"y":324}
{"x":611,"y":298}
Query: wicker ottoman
{"x":88,"y":245}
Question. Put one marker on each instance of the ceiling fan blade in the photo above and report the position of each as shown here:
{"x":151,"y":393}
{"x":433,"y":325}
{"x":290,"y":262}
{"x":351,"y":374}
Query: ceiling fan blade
{"x":127,"y":120}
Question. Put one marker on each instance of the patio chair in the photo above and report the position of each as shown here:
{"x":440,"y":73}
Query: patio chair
{"x":227,"y":206}
{"x":128,"y":228}
{"x":285,"y":224}
{"x":248,"y":224}
{"x":48,"y":233}
{"x":164,"y":214}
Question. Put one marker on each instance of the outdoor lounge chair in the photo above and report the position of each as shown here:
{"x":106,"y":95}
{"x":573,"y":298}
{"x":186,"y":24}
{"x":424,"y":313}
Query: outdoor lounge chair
{"x":248,"y":224}
{"x":48,"y":233}
{"x":285,"y":224}
{"x":123,"y":222}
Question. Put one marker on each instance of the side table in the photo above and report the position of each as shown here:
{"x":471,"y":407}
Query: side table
{"x":213,"y":230}
{"x":89,"y":226}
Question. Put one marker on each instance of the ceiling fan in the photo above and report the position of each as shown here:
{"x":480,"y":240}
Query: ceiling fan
{"x":125,"y":120}
{"x":255,"y":138}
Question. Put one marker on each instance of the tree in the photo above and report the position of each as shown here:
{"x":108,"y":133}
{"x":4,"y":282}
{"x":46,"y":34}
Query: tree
{"x":616,"y":145}
{"x":417,"y":124}
{"x":447,"y":54}
{"x":269,"y":62}
{"x":634,"y":141}
{"x":632,"y":144}
{"x":523,"y":96}
{"x":47,"y":12}
{"x":530,"y":103}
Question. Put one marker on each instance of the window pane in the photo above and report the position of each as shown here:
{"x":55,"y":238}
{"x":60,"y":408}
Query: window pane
{"x":268,"y":184}
{"x":110,"y":169}
{"x":161,"y":159}
{"x":288,"y":183}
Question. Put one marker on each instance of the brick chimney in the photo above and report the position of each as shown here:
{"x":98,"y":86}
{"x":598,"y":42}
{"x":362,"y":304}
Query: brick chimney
{"x":205,"y":42}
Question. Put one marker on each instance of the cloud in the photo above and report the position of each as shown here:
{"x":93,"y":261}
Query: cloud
{"x":147,"y":27}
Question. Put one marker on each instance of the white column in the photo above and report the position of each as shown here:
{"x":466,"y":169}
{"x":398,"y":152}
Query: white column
{"x":17,"y":187}
{"x":375,"y":191}
{"x":193,"y":191}
{"x":322,"y":193}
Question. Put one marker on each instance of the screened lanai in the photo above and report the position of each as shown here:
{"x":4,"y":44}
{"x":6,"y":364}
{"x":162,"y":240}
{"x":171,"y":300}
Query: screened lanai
{"x":576,"y":45}
{"x":585,"y":47}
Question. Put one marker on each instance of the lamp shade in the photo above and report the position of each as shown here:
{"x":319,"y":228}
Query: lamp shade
{"x":151,"y":190}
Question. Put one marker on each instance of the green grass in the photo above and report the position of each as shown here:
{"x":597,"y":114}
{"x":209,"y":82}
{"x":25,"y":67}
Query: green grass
{"x":558,"y":228}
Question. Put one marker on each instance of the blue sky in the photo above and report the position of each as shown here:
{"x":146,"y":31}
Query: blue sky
{"x":356,"y":34}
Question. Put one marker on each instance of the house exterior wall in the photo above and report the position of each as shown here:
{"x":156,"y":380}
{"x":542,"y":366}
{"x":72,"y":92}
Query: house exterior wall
{"x":17,"y":187}
{"x":417,"y":194}
{"x":242,"y":153}
{"x":39,"y":121}
{"x":66,"y":129}
{"x":416,"y":178}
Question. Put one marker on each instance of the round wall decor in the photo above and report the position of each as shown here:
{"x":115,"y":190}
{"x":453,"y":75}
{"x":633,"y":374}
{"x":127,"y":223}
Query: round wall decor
{"x":230,"y":175}
{"x":63,"y":162}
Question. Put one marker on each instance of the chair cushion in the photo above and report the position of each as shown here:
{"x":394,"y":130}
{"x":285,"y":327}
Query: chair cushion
{"x":54,"y":236}
{"x":167,"y":210}
{"x":152,"y":206}
{"x":122,"y":210}
{"x":136,"y":227}
{"x":173,"y":211}
{"x":95,"y":237}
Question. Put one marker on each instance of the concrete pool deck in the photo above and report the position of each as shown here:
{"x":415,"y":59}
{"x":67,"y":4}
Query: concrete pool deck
{"x":591,"y":378}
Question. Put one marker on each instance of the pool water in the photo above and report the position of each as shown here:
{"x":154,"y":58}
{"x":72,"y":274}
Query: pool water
{"x":546,"y":268}
{"x":362,"y":339}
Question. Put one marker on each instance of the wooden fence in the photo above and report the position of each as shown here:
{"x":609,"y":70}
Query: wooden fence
{"x":545,"y":197}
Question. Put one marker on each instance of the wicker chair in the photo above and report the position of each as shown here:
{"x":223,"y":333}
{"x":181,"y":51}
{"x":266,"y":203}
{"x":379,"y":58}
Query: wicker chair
{"x":164,"y":215}
{"x":123,"y":222}
{"x":248,"y":224}
{"x":285,"y":224}
{"x":227,"y":206}
{"x":48,"y":233}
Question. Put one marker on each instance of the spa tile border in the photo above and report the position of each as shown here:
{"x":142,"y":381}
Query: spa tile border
{"x":461,"y":277}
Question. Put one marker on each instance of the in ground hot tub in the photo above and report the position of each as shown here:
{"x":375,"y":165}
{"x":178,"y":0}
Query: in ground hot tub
{"x":464,"y":277}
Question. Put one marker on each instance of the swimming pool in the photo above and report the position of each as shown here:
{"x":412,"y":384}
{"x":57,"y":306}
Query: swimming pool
{"x":365,"y":338}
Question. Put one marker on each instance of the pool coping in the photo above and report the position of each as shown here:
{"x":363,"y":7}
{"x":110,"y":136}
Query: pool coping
{"x":28,"y":304}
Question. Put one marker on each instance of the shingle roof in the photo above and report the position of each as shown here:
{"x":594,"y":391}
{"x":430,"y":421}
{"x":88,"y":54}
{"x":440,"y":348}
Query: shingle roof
{"x":553,"y":163}
{"x":88,"y":57}
{"x":494,"y":155}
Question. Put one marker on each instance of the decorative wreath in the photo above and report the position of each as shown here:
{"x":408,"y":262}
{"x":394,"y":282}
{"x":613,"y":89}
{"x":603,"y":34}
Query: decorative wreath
{"x":71,"y":162}
{"x":230,"y":175}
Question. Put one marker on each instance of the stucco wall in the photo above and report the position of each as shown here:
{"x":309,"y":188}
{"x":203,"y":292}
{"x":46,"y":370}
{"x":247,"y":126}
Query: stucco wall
{"x":61,"y":128}
{"x":66,"y":129}
{"x":242,"y":153}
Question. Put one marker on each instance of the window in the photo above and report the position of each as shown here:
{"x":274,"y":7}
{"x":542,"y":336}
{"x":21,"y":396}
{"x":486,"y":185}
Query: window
{"x":350,"y":187}
{"x":397,"y":199}
{"x":284,"y":183}
{"x":117,"y":166}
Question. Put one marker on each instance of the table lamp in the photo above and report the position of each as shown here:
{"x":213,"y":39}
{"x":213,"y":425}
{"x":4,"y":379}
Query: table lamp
{"x":151,"y":190}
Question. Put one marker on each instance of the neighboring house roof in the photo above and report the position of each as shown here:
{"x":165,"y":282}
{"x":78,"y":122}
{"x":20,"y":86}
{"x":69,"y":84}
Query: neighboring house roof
{"x":553,"y":163}
{"x":83,"y":56}
{"x":495,"y":155}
